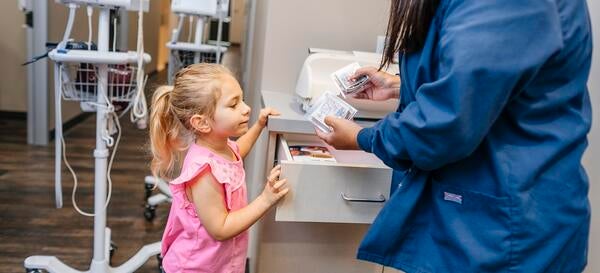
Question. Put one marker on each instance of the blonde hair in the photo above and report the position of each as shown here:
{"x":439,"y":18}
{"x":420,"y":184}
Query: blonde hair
{"x":196,"y":90}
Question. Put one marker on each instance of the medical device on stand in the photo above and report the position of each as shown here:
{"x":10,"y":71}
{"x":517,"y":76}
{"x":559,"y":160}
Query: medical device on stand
{"x":315,"y":80}
{"x":181,"y":55}
{"x":189,"y":52}
{"x":101,"y":80}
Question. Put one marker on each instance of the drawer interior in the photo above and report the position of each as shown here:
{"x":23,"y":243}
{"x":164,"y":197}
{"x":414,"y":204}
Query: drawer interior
{"x":354,"y":158}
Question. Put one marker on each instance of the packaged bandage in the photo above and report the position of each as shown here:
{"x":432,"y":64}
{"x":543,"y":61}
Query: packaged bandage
{"x":342,"y":79}
{"x":329,"y":105}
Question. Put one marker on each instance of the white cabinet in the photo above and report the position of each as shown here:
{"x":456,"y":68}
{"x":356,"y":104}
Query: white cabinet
{"x":351,"y":190}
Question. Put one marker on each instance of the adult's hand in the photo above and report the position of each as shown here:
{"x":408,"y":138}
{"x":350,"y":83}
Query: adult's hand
{"x":381,"y":85}
{"x":343,"y":135}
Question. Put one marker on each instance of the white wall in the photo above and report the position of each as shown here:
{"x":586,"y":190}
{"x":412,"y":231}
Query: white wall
{"x":592,"y":156}
{"x":285,"y":29}
{"x":13,"y":51}
{"x":238,"y":13}
{"x":294,"y":26}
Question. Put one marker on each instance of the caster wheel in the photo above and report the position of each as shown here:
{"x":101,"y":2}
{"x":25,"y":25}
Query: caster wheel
{"x":111,"y":251}
{"x":33,"y":270}
{"x":148,"y":190}
{"x":150,"y":212}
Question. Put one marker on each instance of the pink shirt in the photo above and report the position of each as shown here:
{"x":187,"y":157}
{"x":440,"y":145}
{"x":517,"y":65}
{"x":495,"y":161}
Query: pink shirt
{"x":186,"y":245}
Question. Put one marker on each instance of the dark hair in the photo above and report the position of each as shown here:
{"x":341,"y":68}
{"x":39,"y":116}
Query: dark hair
{"x":407,"y":27}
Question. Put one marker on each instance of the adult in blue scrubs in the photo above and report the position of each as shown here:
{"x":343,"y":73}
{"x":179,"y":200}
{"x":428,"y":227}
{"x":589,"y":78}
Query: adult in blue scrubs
{"x":487,"y":141}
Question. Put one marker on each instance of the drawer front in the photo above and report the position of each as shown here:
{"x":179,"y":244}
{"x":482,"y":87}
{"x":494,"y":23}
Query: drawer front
{"x":331,"y":193}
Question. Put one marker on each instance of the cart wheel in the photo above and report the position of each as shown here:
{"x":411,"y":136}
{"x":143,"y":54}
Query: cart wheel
{"x":150,"y":212}
{"x":111,"y":251}
{"x":34,"y":270}
{"x":148,"y":190}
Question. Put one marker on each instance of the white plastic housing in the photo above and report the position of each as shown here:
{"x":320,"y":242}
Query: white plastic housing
{"x":132,"y":5}
{"x":25,"y":5}
{"x":195,"y":7}
{"x":315,"y":79}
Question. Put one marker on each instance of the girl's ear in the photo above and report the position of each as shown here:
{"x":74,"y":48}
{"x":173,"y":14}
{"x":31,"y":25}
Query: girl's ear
{"x":201,"y":124}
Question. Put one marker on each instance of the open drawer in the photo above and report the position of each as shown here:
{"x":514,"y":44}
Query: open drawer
{"x":351,"y":190}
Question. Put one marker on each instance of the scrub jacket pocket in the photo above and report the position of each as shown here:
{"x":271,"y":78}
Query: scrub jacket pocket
{"x":480,"y":223}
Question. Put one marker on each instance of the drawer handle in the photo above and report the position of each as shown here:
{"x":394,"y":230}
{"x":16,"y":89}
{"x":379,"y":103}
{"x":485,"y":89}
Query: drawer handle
{"x":380,"y":199}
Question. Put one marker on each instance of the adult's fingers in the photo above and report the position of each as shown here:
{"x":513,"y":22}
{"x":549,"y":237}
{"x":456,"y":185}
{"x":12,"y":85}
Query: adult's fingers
{"x":364,"y":94}
{"x":367,"y":70}
{"x":322,"y":135}
{"x":360,"y":96}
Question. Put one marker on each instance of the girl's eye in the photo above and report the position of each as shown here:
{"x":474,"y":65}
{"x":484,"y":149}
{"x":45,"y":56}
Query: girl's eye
{"x":233,"y":105}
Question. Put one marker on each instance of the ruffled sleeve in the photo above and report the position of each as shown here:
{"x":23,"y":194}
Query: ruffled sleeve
{"x":228,"y":174}
{"x":188,"y":173}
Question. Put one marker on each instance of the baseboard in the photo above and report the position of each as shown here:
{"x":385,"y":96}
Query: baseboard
{"x":22,"y":116}
{"x":13,"y":115}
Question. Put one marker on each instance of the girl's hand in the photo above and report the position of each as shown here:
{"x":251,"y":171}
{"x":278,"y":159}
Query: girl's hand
{"x":275,"y":188}
{"x":263,"y":117}
{"x":381,"y":85}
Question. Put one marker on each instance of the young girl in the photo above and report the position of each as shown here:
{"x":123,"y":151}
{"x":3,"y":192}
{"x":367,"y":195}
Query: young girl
{"x":207,"y":226}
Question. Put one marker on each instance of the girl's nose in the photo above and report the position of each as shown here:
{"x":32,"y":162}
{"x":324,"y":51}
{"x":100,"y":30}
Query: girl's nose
{"x":247,"y":109}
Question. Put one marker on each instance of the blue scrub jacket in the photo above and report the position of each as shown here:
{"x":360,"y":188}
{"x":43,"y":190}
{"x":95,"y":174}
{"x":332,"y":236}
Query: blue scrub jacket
{"x":487,"y":142}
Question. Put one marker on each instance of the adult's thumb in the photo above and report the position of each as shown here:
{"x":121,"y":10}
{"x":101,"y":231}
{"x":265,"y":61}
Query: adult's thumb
{"x":331,"y":121}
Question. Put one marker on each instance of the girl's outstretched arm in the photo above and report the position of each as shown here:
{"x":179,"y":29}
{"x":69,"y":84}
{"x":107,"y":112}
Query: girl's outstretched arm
{"x":208,"y":197}
{"x":246,"y":141}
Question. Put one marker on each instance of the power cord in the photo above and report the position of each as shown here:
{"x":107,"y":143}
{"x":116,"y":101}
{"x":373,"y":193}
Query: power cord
{"x":139,"y":111}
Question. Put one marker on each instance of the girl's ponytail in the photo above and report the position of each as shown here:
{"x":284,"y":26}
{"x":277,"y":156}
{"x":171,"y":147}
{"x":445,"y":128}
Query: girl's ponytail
{"x":165,"y":134}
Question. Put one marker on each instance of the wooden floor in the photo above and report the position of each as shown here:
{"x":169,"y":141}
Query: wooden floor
{"x":31,"y":225}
